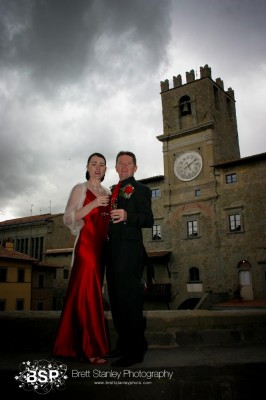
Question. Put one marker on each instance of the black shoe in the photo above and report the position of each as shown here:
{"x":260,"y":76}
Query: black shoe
{"x":127,"y":361}
{"x":113,"y":354}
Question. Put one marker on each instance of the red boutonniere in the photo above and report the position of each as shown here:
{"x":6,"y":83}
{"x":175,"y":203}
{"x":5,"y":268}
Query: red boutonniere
{"x":126,"y":191}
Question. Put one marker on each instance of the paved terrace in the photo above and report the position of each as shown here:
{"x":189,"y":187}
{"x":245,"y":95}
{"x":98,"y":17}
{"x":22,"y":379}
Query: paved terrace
{"x":203,"y":354}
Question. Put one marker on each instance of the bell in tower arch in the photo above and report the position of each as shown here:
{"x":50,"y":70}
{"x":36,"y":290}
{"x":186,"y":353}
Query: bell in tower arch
{"x":185,"y":106}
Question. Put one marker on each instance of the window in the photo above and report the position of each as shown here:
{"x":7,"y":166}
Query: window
{"x":2,"y":305}
{"x":40,"y":306}
{"x":54,"y":302}
{"x":194,"y":274}
{"x":192,"y":229}
{"x":155,"y":193}
{"x":22,"y":245}
{"x":21,"y":275}
{"x":31,"y":246}
{"x":66,"y":273}
{"x":37,"y":248}
{"x":229,"y":108}
{"x":216,"y":98}
{"x":234,"y":222}
{"x":3,"y":274}
{"x":197,"y":192}
{"x":20,"y":304}
{"x":156,"y":232}
{"x":230,"y":178}
{"x":41,"y":281}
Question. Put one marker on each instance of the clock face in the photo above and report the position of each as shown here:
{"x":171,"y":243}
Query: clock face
{"x":188,"y":165}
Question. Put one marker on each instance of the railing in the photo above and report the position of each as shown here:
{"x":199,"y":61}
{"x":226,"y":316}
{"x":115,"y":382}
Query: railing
{"x":158,"y":292}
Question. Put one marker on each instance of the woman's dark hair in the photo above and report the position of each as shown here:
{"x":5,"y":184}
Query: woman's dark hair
{"x":90,"y":157}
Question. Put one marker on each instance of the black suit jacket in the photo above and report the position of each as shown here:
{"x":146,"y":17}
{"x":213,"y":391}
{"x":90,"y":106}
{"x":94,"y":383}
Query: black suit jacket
{"x":139,"y":213}
{"x":126,"y":258}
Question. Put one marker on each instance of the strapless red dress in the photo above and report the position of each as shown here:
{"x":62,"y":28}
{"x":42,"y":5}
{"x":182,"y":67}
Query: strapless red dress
{"x":82,"y":330}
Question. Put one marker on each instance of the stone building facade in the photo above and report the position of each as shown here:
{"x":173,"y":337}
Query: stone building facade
{"x":210,"y":206}
{"x":50,"y":243}
{"x":15,"y":279}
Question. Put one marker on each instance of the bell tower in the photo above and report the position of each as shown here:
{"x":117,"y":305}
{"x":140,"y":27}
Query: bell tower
{"x":199,"y":131}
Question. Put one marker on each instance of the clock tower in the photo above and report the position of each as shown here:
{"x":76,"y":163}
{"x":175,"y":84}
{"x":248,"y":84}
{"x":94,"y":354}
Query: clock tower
{"x":199,"y":131}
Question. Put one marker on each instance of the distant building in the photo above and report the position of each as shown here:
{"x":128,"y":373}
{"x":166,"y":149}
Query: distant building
{"x":15,"y":279}
{"x":47,"y":241}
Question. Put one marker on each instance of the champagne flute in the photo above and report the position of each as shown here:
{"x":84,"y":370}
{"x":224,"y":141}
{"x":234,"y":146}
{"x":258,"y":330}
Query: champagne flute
{"x":114,"y":203}
{"x":105,"y":213}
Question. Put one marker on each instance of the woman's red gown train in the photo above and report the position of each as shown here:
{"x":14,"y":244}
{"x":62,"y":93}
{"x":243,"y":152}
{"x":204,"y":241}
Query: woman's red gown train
{"x":82,"y":331}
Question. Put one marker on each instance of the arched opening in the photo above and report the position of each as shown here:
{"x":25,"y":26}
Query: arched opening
{"x":185,"y":106}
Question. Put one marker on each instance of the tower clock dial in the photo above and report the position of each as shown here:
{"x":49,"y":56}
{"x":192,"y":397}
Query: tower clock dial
{"x":188,"y":165}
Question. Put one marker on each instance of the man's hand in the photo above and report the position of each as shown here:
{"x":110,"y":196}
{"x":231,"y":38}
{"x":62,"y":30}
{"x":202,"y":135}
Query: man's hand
{"x":118,"y":215}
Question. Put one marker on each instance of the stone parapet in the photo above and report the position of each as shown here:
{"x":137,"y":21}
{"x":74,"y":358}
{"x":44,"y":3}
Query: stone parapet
{"x":35,"y":330}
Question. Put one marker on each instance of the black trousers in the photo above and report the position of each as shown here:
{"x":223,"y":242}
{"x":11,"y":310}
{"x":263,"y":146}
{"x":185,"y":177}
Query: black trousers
{"x":123,"y":273}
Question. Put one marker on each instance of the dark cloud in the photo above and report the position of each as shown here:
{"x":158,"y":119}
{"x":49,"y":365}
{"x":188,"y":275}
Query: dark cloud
{"x":61,"y":42}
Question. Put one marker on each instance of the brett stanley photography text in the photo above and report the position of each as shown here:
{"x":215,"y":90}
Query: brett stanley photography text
{"x":126,"y":373}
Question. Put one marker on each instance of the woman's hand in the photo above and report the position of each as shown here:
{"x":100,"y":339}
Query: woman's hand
{"x":101,"y":201}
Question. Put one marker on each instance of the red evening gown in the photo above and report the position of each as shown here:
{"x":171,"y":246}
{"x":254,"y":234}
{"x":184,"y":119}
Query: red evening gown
{"x":82,"y":331}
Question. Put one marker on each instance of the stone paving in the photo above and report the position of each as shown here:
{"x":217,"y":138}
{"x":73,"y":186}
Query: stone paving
{"x":201,"y":355}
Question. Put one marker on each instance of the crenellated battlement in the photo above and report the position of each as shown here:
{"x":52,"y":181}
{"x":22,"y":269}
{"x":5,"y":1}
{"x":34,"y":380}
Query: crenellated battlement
{"x":201,"y":102}
{"x":205,"y":72}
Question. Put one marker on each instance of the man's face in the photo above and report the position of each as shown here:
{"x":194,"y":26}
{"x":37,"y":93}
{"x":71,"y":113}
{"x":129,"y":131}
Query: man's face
{"x":125,"y":167}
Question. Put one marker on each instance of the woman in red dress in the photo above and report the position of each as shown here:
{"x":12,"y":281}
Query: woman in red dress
{"x":82,"y":332}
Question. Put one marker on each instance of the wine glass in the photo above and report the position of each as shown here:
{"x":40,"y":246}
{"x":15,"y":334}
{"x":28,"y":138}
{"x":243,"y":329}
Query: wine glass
{"x":105,"y":213}
{"x":114,"y":203}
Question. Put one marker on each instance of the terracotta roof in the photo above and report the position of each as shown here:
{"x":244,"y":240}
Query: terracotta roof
{"x":26,"y":220}
{"x":6,"y":253}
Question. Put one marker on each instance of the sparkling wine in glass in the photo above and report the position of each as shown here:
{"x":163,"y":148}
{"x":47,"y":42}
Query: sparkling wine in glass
{"x":114,"y":203}
{"x":105,"y":213}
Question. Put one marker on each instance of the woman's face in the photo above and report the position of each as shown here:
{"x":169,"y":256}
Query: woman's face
{"x":96,"y":167}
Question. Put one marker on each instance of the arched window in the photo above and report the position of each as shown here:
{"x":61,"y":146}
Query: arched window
{"x":194,"y":274}
{"x":244,"y":264}
{"x":229,"y":108}
{"x":185,"y":106}
{"x":216,"y":98}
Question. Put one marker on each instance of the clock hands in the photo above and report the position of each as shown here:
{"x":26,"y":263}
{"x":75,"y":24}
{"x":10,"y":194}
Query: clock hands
{"x":188,"y":165}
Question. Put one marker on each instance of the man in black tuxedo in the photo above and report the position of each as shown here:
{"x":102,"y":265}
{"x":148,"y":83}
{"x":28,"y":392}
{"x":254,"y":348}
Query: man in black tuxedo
{"x":131,"y":211}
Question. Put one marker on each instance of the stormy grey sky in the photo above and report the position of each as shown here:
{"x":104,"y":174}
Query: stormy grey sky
{"x":78,"y":76}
